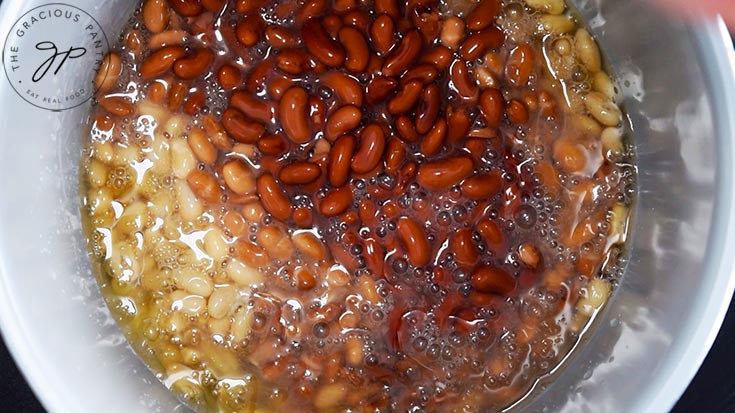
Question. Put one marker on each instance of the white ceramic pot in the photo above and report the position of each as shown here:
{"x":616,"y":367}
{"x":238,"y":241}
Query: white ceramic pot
{"x":679,"y":88}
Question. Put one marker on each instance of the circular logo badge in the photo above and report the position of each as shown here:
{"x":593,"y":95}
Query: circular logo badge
{"x":52,"y":54}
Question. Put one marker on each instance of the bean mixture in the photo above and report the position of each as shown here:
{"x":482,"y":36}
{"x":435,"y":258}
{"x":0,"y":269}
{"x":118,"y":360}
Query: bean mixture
{"x":355,"y":205}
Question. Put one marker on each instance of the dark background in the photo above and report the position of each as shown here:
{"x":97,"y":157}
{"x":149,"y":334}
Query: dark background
{"x":713,"y":389}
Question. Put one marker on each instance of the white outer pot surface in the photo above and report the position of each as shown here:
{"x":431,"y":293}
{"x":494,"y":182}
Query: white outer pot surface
{"x":679,"y":88}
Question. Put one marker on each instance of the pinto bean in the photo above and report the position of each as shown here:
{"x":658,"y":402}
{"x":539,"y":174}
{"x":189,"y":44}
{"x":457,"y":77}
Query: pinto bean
{"x":204,"y":185}
{"x":238,"y":178}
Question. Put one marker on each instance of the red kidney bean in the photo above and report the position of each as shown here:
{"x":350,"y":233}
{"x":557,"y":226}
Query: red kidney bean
{"x":517,"y":113}
{"x":482,"y":187}
{"x":187,"y":8}
{"x":382,"y":33}
{"x":428,"y":108}
{"x":299,"y":173}
{"x":425,"y":72}
{"x":249,"y":29}
{"x":340,"y":158}
{"x":273,"y":198}
{"x":519,"y":66}
{"x":464,"y":248}
{"x":458,"y":125}
{"x":195,"y":102}
{"x":273,"y":145}
{"x":405,"y":177}
{"x":379,"y":89}
{"x":278,"y":85}
{"x":389,"y":7}
{"x":293,"y":61}
{"x":229,"y":77}
{"x":117,"y":105}
{"x":395,"y":154}
{"x":406,"y":53}
{"x":434,"y":140}
{"x":439,"y":56}
{"x":491,"y":280}
{"x":213,"y":5}
{"x":194,"y":65}
{"x":310,"y":10}
{"x":356,"y":48}
{"x":256,"y":79}
{"x":279,"y":37}
{"x":161,"y":61}
{"x":405,"y":99}
{"x":476,"y":147}
{"x":336,"y":201}
{"x":257,"y":109}
{"x":413,"y":238}
{"x":492,"y":106}
{"x":347,"y":89}
{"x":321,"y":45}
{"x":476,"y":44}
{"x":358,"y":19}
{"x":294,"y":117}
{"x":240,"y":128}
{"x":342,"y":121}
{"x":406,"y":130}
{"x":444,"y":173}
{"x":463,"y":82}
{"x":249,"y":6}
{"x":333,"y":24}
{"x":370,"y":152}
{"x":483,"y":15}
{"x":428,"y":24}
{"x":303,"y":217}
